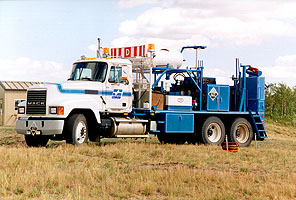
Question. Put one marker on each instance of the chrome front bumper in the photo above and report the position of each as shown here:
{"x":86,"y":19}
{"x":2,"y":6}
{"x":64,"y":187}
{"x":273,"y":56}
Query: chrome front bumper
{"x":39,"y":127}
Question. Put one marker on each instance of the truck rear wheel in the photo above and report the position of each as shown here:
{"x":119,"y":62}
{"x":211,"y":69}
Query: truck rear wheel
{"x":241,"y":132}
{"x":36,"y":140}
{"x":77,"y":130}
{"x":213,"y":131}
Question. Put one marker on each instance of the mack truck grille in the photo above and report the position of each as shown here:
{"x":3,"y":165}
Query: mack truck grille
{"x":36,"y":102}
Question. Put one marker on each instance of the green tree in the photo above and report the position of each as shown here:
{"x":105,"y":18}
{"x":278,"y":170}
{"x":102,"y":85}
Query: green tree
{"x":280,"y":102}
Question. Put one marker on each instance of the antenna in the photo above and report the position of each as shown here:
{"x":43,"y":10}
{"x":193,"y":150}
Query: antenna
{"x":237,"y":70}
{"x":99,"y":49}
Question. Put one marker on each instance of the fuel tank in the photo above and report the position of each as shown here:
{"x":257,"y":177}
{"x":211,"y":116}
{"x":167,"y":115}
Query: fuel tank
{"x":164,"y":57}
{"x":127,"y":126}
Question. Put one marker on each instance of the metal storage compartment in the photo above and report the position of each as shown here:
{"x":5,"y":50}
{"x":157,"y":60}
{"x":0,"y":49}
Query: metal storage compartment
{"x":216,"y":97}
{"x":178,"y":123}
{"x":255,"y":94}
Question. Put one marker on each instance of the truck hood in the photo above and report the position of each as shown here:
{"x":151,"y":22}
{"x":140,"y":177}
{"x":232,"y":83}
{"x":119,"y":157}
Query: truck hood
{"x":73,"y":94}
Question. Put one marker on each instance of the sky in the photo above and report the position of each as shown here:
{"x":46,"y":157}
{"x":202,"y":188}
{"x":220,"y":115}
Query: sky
{"x":40,"y":39}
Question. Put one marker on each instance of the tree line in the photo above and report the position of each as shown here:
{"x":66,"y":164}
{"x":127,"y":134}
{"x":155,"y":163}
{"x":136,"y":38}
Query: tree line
{"x":280,"y":103}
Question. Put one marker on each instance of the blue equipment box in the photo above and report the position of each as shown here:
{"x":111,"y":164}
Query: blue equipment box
{"x":216,"y":97}
{"x":178,"y":123}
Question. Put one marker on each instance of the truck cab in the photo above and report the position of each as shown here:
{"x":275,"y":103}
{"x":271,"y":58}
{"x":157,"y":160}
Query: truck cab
{"x":114,"y":82}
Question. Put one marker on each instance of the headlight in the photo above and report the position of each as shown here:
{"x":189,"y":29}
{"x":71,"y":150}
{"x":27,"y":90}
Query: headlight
{"x":59,"y":110}
{"x":21,"y":110}
{"x":53,"y":110}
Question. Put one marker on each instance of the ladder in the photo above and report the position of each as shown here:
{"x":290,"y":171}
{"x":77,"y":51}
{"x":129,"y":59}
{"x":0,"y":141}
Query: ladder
{"x":259,"y":125}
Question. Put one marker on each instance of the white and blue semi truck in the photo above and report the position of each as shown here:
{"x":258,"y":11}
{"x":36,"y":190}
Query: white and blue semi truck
{"x":134,"y":92}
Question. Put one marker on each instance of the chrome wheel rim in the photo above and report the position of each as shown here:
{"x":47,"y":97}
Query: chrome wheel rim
{"x":242,"y":133}
{"x":214,"y":132}
{"x":80,"y":132}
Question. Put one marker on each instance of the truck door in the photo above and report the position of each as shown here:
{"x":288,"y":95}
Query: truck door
{"x":118,"y":89}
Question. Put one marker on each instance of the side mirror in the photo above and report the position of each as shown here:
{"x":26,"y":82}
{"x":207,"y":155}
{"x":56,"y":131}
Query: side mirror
{"x":111,"y":80}
{"x":126,"y":82}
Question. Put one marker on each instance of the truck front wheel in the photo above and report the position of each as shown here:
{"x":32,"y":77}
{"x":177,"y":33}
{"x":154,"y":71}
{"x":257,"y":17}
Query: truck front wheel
{"x":241,"y":132}
{"x":77,"y":130}
{"x":36,"y":140}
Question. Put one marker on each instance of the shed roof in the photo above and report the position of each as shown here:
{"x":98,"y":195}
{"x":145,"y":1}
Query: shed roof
{"x":16,"y":85}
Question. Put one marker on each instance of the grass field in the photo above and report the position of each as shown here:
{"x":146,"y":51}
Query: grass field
{"x":135,"y":169}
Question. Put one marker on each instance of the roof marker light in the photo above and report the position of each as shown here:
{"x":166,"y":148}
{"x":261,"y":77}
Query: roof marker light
{"x":151,"y":47}
{"x":106,"y":50}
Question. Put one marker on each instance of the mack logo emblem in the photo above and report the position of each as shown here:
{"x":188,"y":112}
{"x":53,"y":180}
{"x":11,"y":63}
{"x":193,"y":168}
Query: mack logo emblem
{"x":37,"y":103}
{"x":180,"y":100}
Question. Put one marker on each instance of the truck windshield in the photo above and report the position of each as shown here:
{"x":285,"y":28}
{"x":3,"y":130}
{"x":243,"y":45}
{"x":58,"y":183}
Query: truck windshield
{"x":91,"y":71}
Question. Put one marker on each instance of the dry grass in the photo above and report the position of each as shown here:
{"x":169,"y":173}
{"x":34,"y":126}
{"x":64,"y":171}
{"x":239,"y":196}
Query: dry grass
{"x":139,"y":170}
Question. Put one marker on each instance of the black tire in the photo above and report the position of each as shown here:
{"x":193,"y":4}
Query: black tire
{"x":241,"y":132}
{"x":94,"y":138}
{"x":77,"y":130}
{"x":36,"y":140}
{"x":93,"y":131}
{"x":213,"y":131}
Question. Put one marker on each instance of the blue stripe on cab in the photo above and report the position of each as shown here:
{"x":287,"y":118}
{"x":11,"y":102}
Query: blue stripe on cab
{"x":127,"y":94}
{"x":70,"y":91}
{"x":73,"y":91}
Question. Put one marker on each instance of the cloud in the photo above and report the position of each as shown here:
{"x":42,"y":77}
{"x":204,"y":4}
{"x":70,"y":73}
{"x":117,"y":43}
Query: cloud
{"x":93,"y":47}
{"x":283,"y":70}
{"x":222,"y":76}
{"x":220,"y":23}
{"x":161,"y":43}
{"x":25,"y":69}
{"x":123,"y":4}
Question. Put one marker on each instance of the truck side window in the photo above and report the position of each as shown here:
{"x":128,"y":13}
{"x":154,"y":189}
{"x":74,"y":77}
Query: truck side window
{"x":115,"y":75}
